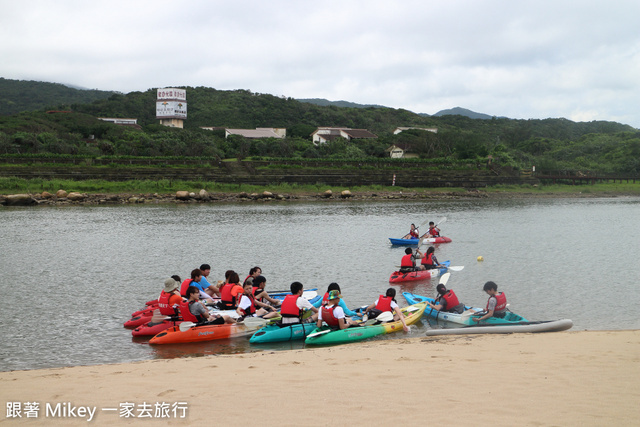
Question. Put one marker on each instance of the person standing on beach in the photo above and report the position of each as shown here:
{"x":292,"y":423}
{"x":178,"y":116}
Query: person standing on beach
{"x":496,"y":305}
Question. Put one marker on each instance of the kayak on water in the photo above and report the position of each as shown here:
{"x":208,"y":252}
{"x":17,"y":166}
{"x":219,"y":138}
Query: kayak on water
{"x":466,"y":317}
{"x":411,"y":242}
{"x":412,"y":315}
{"x":277,"y":332}
{"x":412,"y":276}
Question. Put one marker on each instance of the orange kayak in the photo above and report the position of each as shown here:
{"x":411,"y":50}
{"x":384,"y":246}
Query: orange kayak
{"x":174,"y":335}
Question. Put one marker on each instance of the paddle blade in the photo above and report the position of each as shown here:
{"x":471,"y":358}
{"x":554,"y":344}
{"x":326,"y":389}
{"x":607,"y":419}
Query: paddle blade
{"x":255,"y":321}
{"x":444,"y":278}
{"x":185,"y":326}
{"x":385,"y":316}
{"x":315,"y":334}
{"x":309,"y":294}
{"x":157,"y":317}
{"x":443,"y":219}
{"x":456,"y":268}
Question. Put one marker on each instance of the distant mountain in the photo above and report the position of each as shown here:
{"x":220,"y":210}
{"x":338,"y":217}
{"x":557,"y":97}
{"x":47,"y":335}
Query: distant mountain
{"x":325,"y":102}
{"x":17,"y":96}
{"x":459,"y":111}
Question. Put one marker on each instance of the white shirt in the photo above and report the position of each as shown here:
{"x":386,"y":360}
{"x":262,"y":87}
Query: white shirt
{"x":338,"y":313}
{"x":245,"y":303}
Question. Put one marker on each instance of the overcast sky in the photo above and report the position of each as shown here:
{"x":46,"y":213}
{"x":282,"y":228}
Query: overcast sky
{"x":522,"y":59}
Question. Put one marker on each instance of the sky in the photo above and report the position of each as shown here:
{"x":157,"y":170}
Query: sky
{"x":522,"y":59}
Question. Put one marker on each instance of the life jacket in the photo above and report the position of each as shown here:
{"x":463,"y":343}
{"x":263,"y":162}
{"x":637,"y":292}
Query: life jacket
{"x":225,"y":295}
{"x":186,"y":313}
{"x":329,"y":318}
{"x":407,"y":261}
{"x":414,"y":233}
{"x":434,"y":232}
{"x":184,"y":286}
{"x":501,"y":302}
{"x":428,"y":260}
{"x":325,"y":299}
{"x":289,"y":308}
{"x":384,"y":303}
{"x":165,"y":307}
{"x":257,"y":290}
{"x":451,"y":299}
{"x":252,"y":308}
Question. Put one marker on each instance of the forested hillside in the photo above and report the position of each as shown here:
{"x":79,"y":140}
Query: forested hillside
{"x":17,"y":96}
{"x":549,"y":144}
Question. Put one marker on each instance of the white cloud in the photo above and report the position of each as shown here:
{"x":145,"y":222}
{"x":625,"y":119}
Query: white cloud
{"x":521,"y":59}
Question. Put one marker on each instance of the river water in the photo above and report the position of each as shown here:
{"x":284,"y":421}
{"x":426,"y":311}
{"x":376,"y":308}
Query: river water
{"x":72,"y":275}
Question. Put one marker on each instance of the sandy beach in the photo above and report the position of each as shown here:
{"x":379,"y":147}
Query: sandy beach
{"x":588,"y":378}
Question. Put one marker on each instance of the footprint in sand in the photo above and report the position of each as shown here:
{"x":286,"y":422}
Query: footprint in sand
{"x":164,"y":393}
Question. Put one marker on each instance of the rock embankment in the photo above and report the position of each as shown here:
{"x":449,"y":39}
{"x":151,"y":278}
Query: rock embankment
{"x":62,"y":197}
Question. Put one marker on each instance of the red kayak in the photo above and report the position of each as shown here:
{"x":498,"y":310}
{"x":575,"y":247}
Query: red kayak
{"x":412,"y":276}
{"x":150,"y":329}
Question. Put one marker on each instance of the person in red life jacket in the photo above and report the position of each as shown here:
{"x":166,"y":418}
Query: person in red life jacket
{"x":294,"y":305}
{"x":384,"y":303}
{"x":249,"y":306}
{"x":446,"y":301}
{"x":408,"y":261}
{"x":433,"y":231}
{"x":413,"y":233}
{"x":196,"y":275}
{"x":333,"y":315}
{"x":259,"y":284}
{"x":202,"y":315}
{"x":325,"y":299}
{"x":253,"y":273}
{"x":169,"y":297}
{"x":429,"y":260}
{"x":496,"y":305}
{"x":230,"y":292}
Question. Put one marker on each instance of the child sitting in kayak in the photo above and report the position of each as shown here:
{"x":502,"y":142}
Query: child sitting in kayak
{"x":429,"y":260}
{"x":408,"y":262}
{"x":496,"y":305}
{"x":249,"y":306}
{"x":413,"y":233}
{"x":447,"y":301}
{"x":294,"y":305}
{"x":335,"y":287}
{"x":384,"y":303}
{"x":201,"y":313}
{"x":333,"y":315}
{"x":433,"y":231}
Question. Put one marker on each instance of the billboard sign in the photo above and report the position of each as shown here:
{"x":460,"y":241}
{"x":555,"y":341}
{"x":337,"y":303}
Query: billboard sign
{"x":171,"y":110}
{"x":172,"y":93}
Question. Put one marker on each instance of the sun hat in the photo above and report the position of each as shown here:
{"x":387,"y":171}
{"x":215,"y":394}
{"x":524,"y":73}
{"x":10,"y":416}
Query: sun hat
{"x":334,"y":295}
{"x":170,"y":285}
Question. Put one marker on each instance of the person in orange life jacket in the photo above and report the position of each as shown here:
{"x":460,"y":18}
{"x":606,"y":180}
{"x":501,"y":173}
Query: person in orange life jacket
{"x":335,"y":287}
{"x":384,"y":303}
{"x":230,"y":292}
{"x":200,"y":311}
{"x":248,"y":306}
{"x":294,"y":305}
{"x":429,"y":260}
{"x":208,"y":290}
{"x":259,"y":283}
{"x":446,"y":301}
{"x":169,"y":297}
{"x":408,"y":262}
{"x":196,"y":275}
{"x":413,"y":233}
{"x":253,"y":273}
{"x":433,"y":231}
{"x":333,"y":315}
{"x":496,"y":305}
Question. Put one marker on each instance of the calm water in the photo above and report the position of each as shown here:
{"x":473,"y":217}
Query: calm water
{"x":72,"y":275}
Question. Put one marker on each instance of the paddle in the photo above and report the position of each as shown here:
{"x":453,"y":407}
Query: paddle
{"x":444,"y":278}
{"x":309,"y":294}
{"x":255,"y":321}
{"x":185,"y":326}
{"x":456,"y":268}
{"x":315,"y":334}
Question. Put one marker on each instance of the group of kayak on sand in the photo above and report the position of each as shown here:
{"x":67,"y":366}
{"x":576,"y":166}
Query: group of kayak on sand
{"x":188,"y":298}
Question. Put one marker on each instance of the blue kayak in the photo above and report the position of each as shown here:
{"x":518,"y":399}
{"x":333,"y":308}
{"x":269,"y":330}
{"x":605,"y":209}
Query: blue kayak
{"x":413,"y":242}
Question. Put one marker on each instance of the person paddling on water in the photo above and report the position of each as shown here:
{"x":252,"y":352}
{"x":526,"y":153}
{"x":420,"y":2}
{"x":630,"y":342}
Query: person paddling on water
{"x":200,"y":311}
{"x":496,"y":305}
{"x":447,"y":301}
{"x":413,"y":233}
{"x":433,"y":231}
{"x":408,"y":262}
{"x":429,"y":260}
{"x":384,"y":303}
{"x":335,"y":287}
{"x":249,"y":306}
{"x":333,"y":315}
{"x":294,"y":305}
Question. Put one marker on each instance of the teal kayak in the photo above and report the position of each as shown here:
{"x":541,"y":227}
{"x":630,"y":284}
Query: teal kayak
{"x":464,"y":318}
{"x":278,"y":333}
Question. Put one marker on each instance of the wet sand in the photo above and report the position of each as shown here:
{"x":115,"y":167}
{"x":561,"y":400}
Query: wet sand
{"x":587,"y":378}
